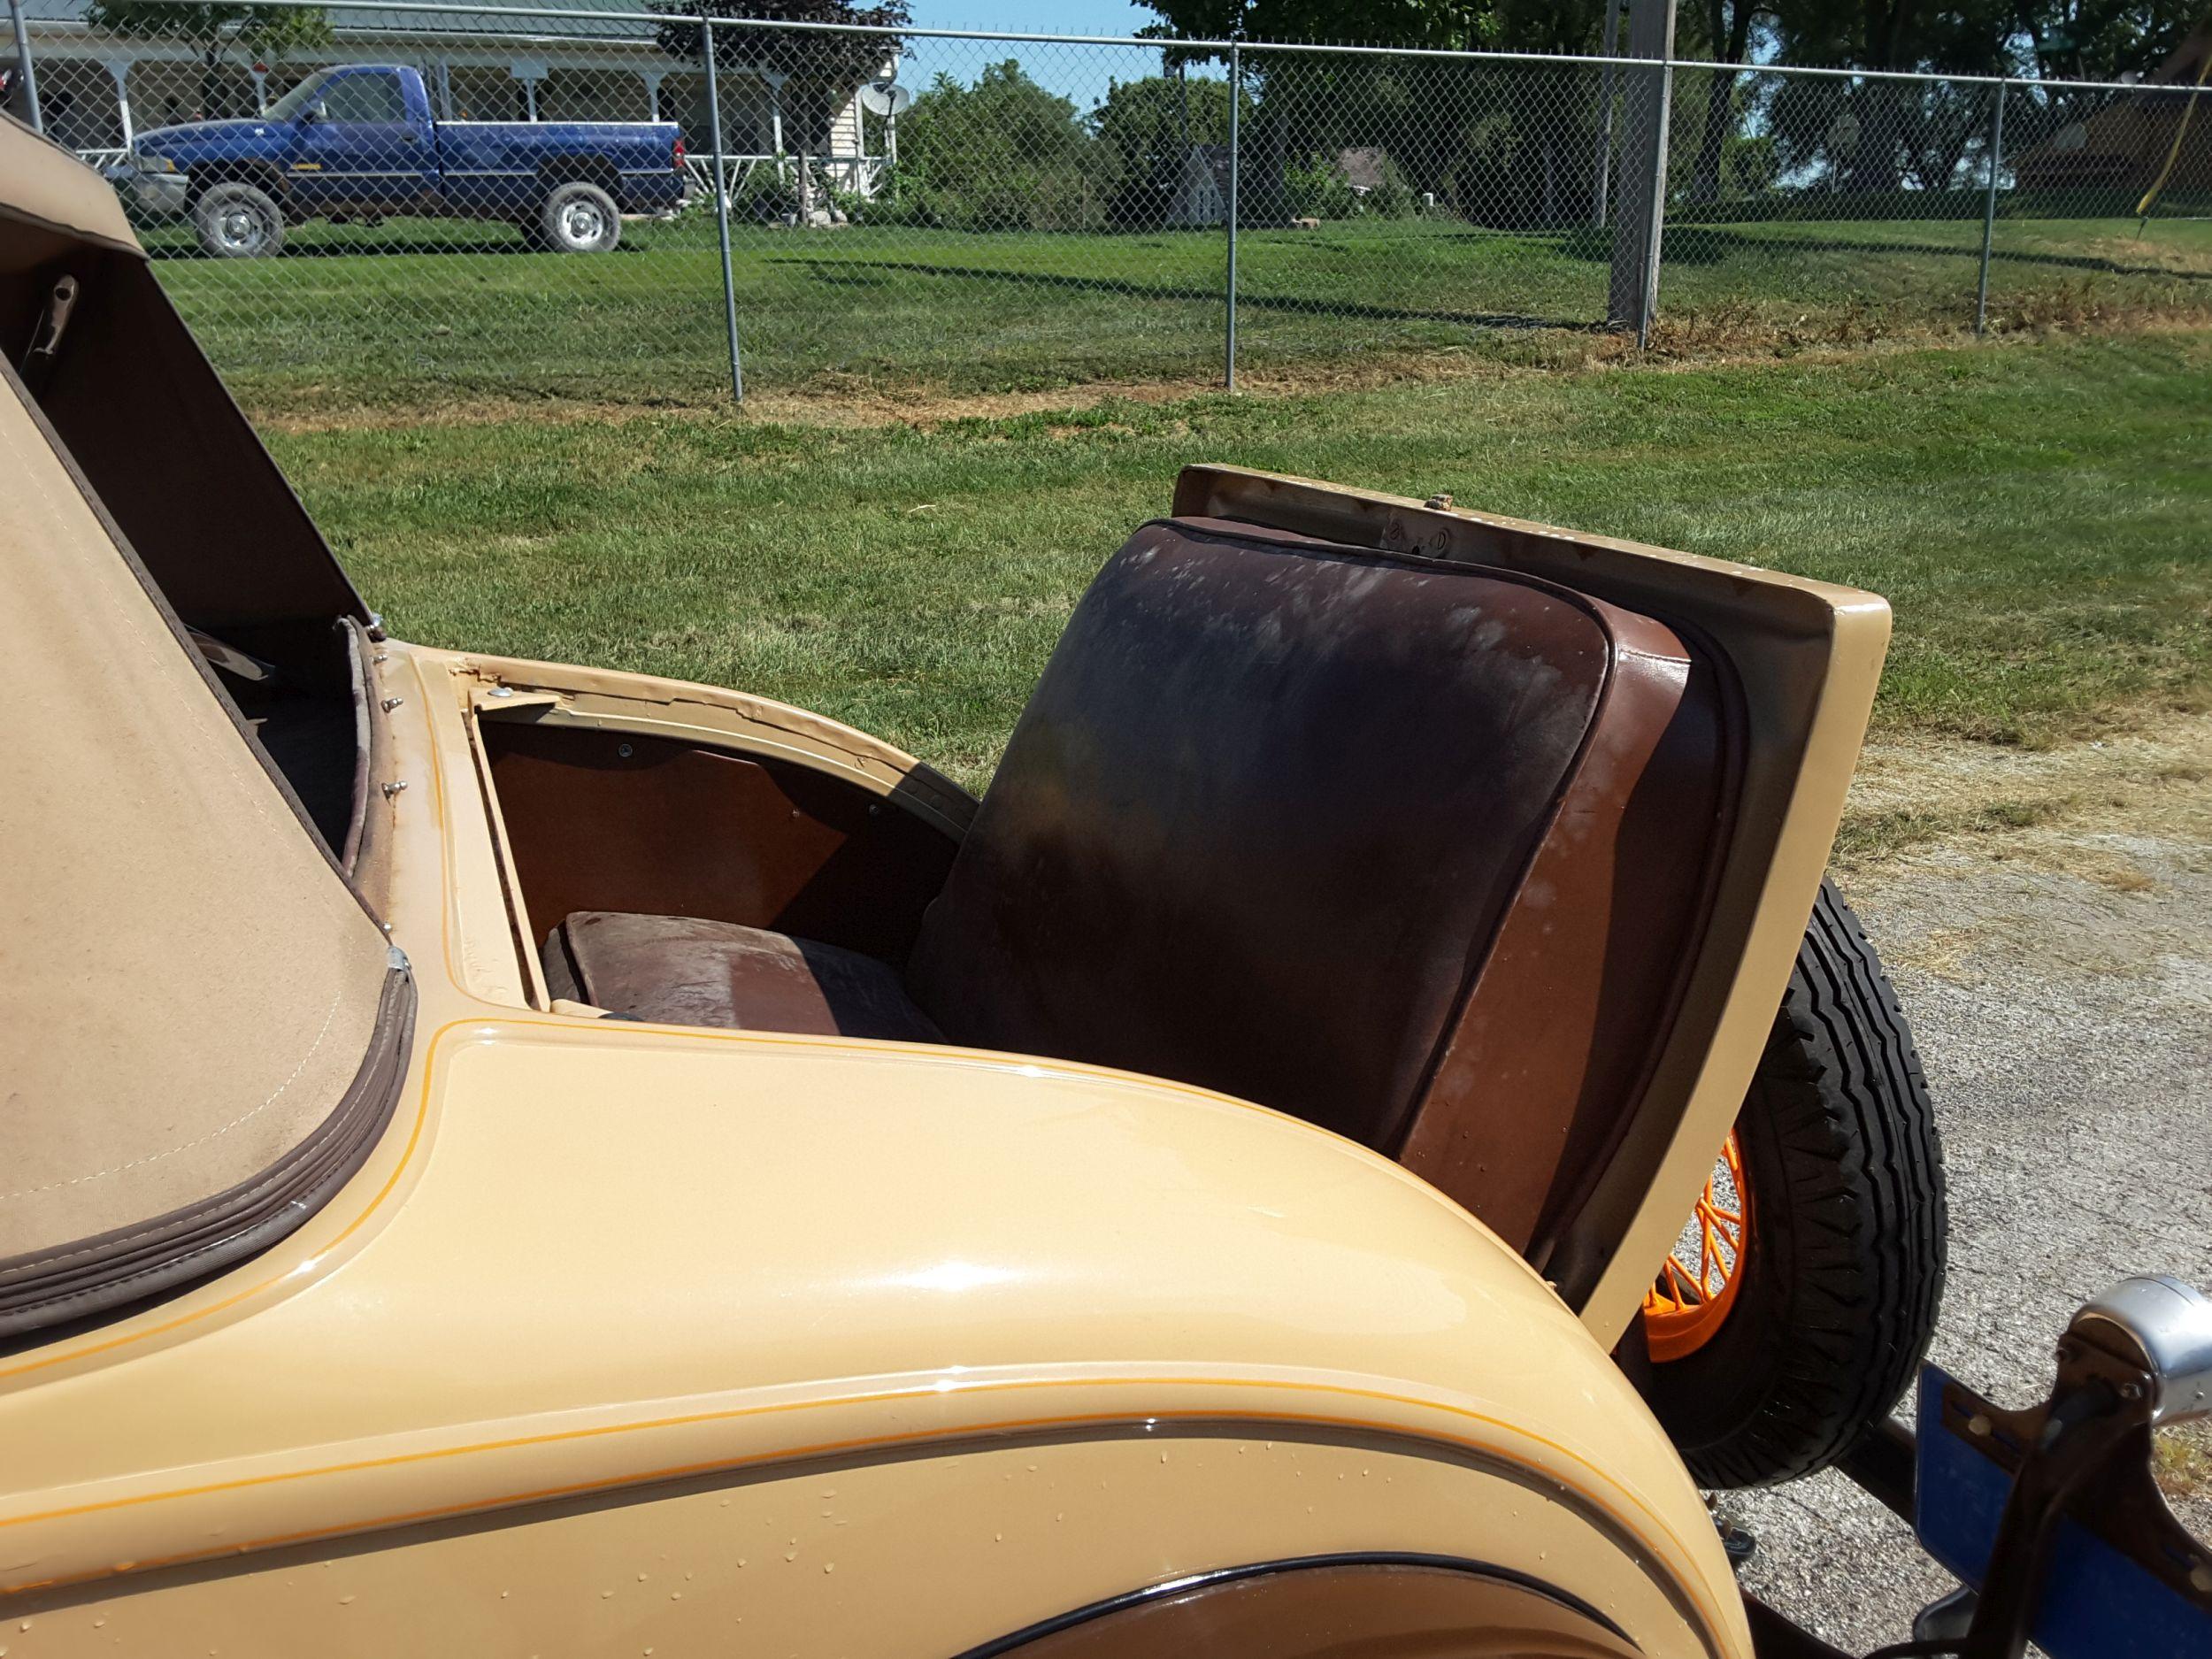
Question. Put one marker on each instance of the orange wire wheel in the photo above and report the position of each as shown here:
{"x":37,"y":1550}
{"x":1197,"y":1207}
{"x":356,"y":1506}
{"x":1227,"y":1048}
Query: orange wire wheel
{"x":1688,"y":1304}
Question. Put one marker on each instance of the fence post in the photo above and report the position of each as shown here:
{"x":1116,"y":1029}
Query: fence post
{"x":722,"y":209}
{"x":1634,"y":293}
{"x":1989,"y":208}
{"x":23,"y":63}
{"x":1229,"y":342}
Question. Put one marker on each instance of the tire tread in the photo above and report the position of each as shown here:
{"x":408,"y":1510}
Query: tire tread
{"x":1843,"y":1094}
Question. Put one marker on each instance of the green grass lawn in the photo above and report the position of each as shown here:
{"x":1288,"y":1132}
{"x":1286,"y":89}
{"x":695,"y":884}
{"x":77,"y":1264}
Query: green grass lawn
{"x":464,"y":313}
{"x":2042,"y":517}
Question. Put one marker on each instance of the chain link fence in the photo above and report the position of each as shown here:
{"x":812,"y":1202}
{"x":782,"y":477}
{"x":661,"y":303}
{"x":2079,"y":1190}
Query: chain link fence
{"x":407,"y":206}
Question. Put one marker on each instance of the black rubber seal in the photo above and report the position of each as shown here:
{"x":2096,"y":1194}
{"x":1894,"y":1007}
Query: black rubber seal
{"x":90,"y":1278}
{"x":1002,"y":1645}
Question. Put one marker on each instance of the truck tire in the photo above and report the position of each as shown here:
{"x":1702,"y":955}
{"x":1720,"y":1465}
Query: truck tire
{"x":1813,"y":1332}
{"x":238,"y":221}
{"x":579,"y":217}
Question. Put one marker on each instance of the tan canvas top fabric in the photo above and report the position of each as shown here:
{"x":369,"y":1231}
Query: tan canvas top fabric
{"x":49,"y":186}
{"x":187,"y":989}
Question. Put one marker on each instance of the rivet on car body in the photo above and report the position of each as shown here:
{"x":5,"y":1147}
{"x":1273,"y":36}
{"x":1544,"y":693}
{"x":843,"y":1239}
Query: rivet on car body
{"x":392,"y":703}
{"x":393,"y":787}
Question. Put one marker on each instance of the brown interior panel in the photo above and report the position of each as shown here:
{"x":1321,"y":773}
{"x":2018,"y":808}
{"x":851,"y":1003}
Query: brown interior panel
{"x":616,"y":821}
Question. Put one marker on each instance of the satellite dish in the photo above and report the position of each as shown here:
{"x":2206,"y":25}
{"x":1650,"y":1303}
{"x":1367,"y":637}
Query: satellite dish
{"x":1843,"y":135}
{"x":886,"y":98}
{"x":2073,"y":135}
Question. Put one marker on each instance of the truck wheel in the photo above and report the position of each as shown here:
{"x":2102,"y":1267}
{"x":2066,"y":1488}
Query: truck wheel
{"x":1801,"y":1298}
{"x":239,"y":221}
{"x":579,"y":217}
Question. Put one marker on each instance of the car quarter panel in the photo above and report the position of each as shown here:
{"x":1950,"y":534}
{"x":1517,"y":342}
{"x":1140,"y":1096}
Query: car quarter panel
{"x":630,"y":1258}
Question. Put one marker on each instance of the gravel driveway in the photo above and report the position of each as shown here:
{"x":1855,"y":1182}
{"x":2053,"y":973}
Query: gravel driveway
{"x":2056,"y":964}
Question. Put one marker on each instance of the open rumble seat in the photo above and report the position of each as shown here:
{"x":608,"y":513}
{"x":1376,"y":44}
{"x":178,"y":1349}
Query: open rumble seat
{"x":1413,"y":849}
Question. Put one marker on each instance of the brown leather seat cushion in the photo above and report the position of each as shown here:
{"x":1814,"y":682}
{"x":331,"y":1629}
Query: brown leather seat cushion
{"x":1276,"y":805}
{"x":679,"y":970}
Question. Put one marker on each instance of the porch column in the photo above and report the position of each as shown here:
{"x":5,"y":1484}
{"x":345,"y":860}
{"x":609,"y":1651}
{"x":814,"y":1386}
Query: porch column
{"x":529,"y":73}
{"x":775,"y":116}
{"x":119,"y":71}
{"x":652,"y":79}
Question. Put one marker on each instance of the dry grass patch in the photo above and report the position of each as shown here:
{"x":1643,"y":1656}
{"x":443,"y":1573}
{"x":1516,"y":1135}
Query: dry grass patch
{"x":2074,"y":808}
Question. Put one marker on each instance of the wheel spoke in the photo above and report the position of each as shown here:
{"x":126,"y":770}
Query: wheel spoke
{"x":1696,"y":1283}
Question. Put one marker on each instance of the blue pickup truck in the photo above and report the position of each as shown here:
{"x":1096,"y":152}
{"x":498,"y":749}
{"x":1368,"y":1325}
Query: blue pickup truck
{"x":360,"y":142}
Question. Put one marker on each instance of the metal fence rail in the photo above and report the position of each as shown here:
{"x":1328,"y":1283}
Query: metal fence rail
{"x":948,"y":209}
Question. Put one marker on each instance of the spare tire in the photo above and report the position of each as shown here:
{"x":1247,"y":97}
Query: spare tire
{"x":1800,"y":1301}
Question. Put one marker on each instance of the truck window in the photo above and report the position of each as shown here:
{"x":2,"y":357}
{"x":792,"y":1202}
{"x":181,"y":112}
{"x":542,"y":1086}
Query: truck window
{"x":287,"y":107}
{"x":372,"y":97}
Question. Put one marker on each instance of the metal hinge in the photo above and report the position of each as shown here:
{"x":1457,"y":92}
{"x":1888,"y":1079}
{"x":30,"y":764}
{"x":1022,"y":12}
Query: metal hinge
{"x":53,"y":322}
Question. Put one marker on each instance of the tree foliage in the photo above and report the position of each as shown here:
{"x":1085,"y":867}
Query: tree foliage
{"x":1148,"y":131}
{"x":816,"y":71}
{"x":217,"y":28}
{"x":1003,"y":154}
{"x":1483,"y":139}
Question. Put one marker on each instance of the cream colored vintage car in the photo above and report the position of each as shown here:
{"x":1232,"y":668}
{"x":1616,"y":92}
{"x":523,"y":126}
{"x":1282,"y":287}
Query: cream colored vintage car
{"x":504,"y":1158}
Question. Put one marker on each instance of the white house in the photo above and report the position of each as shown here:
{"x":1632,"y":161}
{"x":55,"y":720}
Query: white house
{"x":97,"y":90}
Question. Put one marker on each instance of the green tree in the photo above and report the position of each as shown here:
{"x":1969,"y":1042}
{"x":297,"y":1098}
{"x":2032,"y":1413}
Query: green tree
{"x":1147,"y":131}
{"x":1722,"y":30}
{"x":1003,"y":154}
{"x":1507,"y":146}
{"x":215,"y":30}
{"x":1449,"y":25}
{"x":814,"y":71}
{"x":2102,"y":40}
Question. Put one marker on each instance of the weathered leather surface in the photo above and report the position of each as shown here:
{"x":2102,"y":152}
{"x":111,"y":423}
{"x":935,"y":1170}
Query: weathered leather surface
{"x":1262,"y":815}
{"x":1410,"y":849}
{"x":682,"y":970}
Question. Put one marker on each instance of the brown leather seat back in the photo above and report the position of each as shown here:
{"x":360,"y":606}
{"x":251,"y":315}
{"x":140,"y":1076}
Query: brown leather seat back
{"x":1273,"y":809}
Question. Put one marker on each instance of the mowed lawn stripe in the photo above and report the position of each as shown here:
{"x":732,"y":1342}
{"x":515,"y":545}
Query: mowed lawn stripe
{"x":457,"y":312}
{"x":2041,"y":517}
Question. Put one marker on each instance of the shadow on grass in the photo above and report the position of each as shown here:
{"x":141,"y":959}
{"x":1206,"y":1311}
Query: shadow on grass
{"x":863,"y":273}
{"x":1730,"y":241}
{"x":192,"y":252}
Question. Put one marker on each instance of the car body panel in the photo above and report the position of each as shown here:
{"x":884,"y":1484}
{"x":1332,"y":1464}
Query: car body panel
{"x":605,"y":1286}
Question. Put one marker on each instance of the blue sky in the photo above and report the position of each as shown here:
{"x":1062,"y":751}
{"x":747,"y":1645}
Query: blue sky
{"x":1079,"y":72}
{"x":1069,"y":17}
